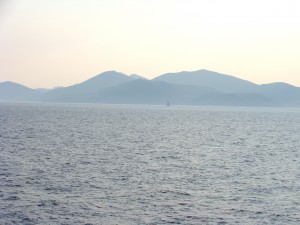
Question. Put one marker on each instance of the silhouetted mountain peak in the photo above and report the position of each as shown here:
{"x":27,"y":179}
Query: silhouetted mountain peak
{"x":10,"y":91}
{"x":106,"y":75}
{"x":138,"y":77}
{"x":104,"y":80}
{"x":12,"y":85}
{"x":279,"y":85}
{"x":218,"y":81}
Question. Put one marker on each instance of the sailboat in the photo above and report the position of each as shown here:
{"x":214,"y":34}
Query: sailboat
{"x":168,"y":103}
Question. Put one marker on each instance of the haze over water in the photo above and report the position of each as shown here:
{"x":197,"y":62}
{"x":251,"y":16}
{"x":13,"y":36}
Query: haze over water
{"x":97,"y":164}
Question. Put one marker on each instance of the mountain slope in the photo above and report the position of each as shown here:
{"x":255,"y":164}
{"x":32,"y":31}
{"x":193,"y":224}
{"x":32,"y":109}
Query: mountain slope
{"x":220,"y":82}
{"x":138,"y":77}
{"x":185,"y":88}
{"x":241,"y":99}
{"x":150,"y":92}
{"x":158,"y":92}
{"x":282,"y":93}
{"x":10,"y":91}
{"x":94,"y":84}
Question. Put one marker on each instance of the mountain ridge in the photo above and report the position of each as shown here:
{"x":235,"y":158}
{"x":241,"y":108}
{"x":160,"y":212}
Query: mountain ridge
{"x":11,"y":91}
{"x":221,"y":82}
{"x":201,"y":87}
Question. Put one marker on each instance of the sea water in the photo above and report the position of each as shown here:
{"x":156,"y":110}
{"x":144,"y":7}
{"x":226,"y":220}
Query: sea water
{"x":105,"y":164}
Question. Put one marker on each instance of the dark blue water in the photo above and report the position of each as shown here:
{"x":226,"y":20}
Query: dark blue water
{"x":89,"y":164}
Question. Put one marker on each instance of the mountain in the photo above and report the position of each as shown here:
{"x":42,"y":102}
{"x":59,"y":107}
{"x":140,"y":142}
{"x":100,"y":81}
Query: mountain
{"x":235,"y":91}
{"x":42,"y":90}
{"x":138,"y":77}
{"x":201,"y":87}
{"x":221,"y":82}
{"x":79,"y":91}
{"x":159,"y":92}
{"x":10,"y":91}
{"x":282,"y":93}
{"x":242,"y":99}
{"x":143,"y":91}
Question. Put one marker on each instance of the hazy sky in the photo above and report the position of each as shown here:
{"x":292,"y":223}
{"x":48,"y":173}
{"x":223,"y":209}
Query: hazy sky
{"x":47,"y":43}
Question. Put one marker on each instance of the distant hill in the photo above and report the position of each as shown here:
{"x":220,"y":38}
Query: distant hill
{"x":138,"y":77}
{"x":233,"y":99}
{"x":201,"y":87}
{"x":282,"y":93}
{"x":218,"y":81}
{"x":10,"y":91}
{"x":158,"y":92}
{"x":79,"y":91}
{"x":42,"y":90}
{"x":235,"y":91}
{"x":150,"y":92}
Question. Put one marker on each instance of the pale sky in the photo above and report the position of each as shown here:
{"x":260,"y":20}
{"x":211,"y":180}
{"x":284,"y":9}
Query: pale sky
{"x":48,"y":43}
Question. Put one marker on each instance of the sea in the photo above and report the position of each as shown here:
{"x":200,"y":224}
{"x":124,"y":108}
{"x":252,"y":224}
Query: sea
{"x":134,"y":164}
